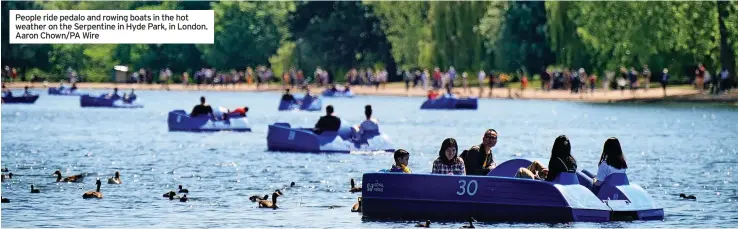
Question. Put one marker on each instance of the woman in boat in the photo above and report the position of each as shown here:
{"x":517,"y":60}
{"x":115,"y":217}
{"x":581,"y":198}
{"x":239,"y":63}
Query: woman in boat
{"x":611,"y":161}
{"x":448,"y":161}
{"x":561,"y":161}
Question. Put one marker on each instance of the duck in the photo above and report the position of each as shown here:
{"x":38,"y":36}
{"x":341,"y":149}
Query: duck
{"x":292,"y":184}
{"x":35,"y":190}
{"x":353,"y":187}
{"x":171,"y":195}
{"x":256,"y":198}
{"x":116,"y":179}
{"x":689,"y":197}
{"x":75,"y":178}
{"x":183,"y":199}
{"x":181,"y":190}
{"x":6,"y":176}
{"x":357,"y":206}
{"x":5,"y":170}
{"x":471,"y":219}
{"x":426,"y":224}
{"x":94,"y":194}
{"x":4,"y":200}
{"x":271,"y":204}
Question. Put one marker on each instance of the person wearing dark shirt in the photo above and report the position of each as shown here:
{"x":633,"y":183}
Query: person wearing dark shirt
{"x":287,"y":96}
{"x":202,"y":109}
{"x":328,"y":122}
{"x":478,"y":160}
{"x":561,"y":161}
{"x":114,"y":95}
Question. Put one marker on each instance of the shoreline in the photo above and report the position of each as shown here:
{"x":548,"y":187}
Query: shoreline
{"x":674,"y":94}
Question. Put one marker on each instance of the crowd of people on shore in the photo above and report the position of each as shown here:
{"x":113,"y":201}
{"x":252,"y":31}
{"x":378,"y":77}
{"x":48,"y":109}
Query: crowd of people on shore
{"x":573,"y":80}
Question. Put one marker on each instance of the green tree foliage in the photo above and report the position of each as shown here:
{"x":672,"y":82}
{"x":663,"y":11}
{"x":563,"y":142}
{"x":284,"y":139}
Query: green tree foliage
{"x":406,"y":27}
{"x":246,"y":33}
{"x":521,"y":41}
{"x":22,"y":56}
{"x":339,"y":36}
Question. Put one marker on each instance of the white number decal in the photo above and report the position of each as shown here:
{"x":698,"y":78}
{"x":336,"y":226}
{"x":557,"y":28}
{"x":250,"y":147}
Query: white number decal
{"x":466,"y":188}
{"x":292,"y":136}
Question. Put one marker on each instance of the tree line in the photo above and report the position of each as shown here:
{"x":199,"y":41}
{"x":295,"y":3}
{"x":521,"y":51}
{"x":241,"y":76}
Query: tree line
{"x":513,"y":37}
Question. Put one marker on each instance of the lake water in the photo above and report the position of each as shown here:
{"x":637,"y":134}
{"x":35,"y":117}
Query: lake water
{"x":670,"y":149}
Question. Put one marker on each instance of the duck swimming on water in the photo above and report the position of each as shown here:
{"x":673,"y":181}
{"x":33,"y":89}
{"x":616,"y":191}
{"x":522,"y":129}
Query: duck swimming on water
{"x":94,"y":194}
{"x":4,"y":200}
{"x":471,"y":219}
{"x":75,"y":178}
{"x":256,"y":198}
{"x":689,"y":197}
{"x":35,"y":190}
{"x":183,"y":190}
{"x":6,"y":176}
{"x":116,"y":179}
{"x":357,"y":206}
{"x":270,"y":204}
{"x":353,"y":187}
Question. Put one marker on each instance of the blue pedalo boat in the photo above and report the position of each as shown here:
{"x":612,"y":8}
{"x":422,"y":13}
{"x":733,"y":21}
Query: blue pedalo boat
{"x":20,"y":99}
{"x":90,"y":101}
{"x":306,"y":104}
{"x":449,"y":103}
{"x":283,"y":137}
{"x":179,"y":120}
{"x":330,"y":93}
{"x":64,"y":91}
{"x":500,"y":197}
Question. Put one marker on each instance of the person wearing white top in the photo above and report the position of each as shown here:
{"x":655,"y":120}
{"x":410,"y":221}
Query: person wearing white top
{"x":370,"y":124}
{"x":611,"y":161}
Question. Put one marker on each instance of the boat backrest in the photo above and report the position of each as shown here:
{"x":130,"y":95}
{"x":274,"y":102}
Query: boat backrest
{"x":179,"y":112}
{"x":616,"y":179}
{"x":370,"y":133}
{"x":509,"y":168}
{"x":566,"y":178}
{"x":282,"y":124}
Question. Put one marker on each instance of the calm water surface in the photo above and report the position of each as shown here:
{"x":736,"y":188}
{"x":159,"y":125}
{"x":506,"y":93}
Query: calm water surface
{"x":670,"y":149}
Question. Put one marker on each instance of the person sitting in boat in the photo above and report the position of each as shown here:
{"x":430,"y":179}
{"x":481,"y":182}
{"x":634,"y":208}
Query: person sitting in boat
{"x":132,"y":94}
{"x":288,"y":97}
{"x":334,"y":88}
{"x":202,"y":109}
{"x":611,"y":161}
{"x":402,"y":158}
{"x":26,"y":92}
{"x":370,"y":124}
{"x":327,"y":122}
{"x":561,"y":161}
{"x":74,"y":87}
{"x":241,"y":111}
{"x":346,"y":89}
{"x":449,"y":94}
{"x":113,"y":95}
{"x":448,"y":162}
{"x":307,"y":99}
{"x":7,"y":92}
{"x":432,"y":94}
{"x":479,"y":160}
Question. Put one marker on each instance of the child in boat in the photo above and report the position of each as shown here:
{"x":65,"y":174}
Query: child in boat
{"x":432,"y":94}
{"x":241,"y":111}
{"x":402,"y":157}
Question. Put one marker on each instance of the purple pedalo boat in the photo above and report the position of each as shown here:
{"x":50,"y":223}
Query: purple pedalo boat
{"x":500,"y":196}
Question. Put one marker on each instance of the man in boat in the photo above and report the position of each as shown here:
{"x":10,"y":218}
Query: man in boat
{"x":288,"y":97}
{"x":114,"y":95}
{"x":478,"y":159}
{"x":241,"y":111}
{"x":26,"y":92}
{"x":327,"y":122}
{"x":370,"y":124}
{"x":74,"y":87}
{"x":202,"y":109}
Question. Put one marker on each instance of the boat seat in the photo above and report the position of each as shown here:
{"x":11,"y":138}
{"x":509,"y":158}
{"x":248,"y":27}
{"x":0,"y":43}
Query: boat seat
{"x":282,"y":124}
{"x":509,"y":168}
{"x":179,"y":112}
{"x":608,"y":189}
{"x":566,"y":178}
{"x":615,"y":179}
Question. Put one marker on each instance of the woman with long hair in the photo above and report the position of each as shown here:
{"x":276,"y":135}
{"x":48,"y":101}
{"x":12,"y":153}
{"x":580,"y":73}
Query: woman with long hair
{"x":612,"y":160}
{"x":561,"y":161}
{"x":448,"y":161}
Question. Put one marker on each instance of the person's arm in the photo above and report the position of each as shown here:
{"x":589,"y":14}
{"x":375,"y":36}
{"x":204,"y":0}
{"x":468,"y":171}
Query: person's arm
{"x":436,"y":169}
{"x":462,"y":170}
{"x":602,"y":172}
